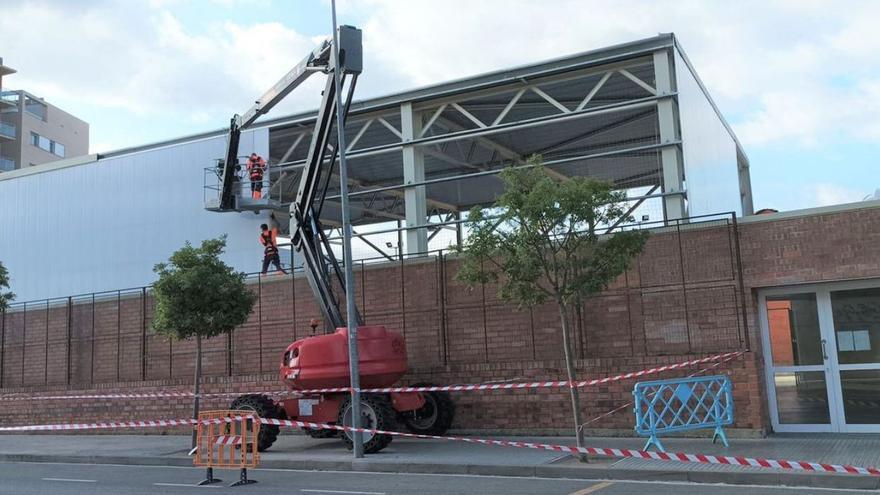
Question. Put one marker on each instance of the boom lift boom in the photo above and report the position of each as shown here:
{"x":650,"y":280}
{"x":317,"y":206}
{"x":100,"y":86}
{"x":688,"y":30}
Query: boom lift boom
{"x":321,"y":361}
{"x":306,"y":231}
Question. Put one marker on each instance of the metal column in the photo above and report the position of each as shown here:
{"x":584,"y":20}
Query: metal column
{"x":351,"y":310}
{"x":413,"y":172}
{"x":670,"y":156}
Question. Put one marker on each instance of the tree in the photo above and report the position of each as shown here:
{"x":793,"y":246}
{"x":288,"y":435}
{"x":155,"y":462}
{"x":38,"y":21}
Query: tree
{"x":198,"y":295}
{"x":5,"y":297}
{"x":545,"y":241}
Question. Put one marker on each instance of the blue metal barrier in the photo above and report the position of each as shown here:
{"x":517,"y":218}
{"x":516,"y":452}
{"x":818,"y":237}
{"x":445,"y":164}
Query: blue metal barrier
{"x":666,"y":406}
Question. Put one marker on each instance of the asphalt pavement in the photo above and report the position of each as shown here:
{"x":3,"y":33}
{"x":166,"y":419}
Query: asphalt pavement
{"x":296,"y":451}
{"x":89,"y":479}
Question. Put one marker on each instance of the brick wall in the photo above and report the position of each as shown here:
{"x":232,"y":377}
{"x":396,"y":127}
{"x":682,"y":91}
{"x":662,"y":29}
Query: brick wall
{"x":680,"y":299}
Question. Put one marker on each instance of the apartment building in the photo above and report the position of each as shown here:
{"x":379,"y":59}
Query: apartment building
{"x":34,"y":132}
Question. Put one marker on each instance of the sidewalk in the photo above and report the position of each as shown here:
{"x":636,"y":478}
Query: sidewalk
{"x":294,"y":451}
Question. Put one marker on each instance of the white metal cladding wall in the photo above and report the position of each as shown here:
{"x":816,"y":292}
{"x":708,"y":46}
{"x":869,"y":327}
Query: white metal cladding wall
{"x":104,"y":225}
{"x":709,"y":151}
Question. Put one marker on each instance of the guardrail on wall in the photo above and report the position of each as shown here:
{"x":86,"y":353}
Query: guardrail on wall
{"x":683,"y":296}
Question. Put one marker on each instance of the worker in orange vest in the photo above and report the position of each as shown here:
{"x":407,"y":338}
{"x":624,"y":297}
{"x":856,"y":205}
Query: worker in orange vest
{"x":269,"y":240}
{"x":255,"y":168}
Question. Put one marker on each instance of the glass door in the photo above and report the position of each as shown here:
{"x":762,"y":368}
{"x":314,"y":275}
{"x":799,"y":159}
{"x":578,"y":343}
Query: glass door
{"x":855,"y":315}
{"x":797,"y":363}
{"x":822,"y":349}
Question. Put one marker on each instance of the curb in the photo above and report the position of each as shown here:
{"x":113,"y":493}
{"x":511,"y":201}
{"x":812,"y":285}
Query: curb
{"x":588,"y":472}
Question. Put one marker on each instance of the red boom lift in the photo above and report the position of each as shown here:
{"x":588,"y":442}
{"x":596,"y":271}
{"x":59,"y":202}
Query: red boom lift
{"x":322,"y":361}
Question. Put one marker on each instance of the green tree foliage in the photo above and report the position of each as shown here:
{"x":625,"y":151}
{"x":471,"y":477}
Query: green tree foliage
{"x":545,"y":241}
{"x":5,"y":297}
{"x":198,"y":295}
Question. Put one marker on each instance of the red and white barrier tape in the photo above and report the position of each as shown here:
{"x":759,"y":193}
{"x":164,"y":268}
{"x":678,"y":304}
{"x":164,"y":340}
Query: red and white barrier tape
{"x":526,"y":385}
{"x":629,"y":404}
{"x":228,"y":440}
{"x":445,"y":388}
{"x":608,"y":452}
{"x":599,"y":451}
{"x":147,"y":395}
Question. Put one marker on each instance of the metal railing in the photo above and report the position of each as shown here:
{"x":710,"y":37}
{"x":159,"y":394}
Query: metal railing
{"x":7,"y":130}
{"x":9,"y":96}
{"x":657,"y":308}
{"x":243,"y":188}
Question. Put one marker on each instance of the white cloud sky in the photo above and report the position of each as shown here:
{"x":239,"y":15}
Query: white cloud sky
{"x":794,"y":69}
{"x":141,"y":59}
{"x":833,"y":194}
{"x":786,"y":72}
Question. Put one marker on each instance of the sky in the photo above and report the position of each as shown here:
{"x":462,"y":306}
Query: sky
{"x":798,"y":80}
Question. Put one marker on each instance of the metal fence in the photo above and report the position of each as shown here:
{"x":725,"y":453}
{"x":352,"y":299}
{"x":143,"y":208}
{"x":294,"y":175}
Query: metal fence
{"x":684,"y":295}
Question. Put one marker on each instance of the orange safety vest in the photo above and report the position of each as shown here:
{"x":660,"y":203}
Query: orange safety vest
{"x":255,"y":167}
{"x":269,"y":239}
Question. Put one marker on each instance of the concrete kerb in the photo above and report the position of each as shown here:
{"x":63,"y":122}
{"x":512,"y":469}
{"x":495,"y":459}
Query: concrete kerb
{"x":603,"y":471}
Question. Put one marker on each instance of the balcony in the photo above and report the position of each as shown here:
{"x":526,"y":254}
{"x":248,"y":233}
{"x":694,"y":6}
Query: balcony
{"x":6,"y":164}
{"x":7,"y":131}
{"x":8,"y":99}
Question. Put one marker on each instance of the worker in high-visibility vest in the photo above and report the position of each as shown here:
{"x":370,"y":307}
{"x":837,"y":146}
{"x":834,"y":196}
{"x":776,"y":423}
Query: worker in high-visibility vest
{"x":256,"y":166}
{"x":269,"y":240}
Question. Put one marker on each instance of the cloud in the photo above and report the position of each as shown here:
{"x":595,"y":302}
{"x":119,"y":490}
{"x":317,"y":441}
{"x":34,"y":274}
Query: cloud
{"x":826,"y":194}
{"x":814,"y":114}
{"x":783,"y":70}
{"x":800,"y":72}
{"x":143,"y":60}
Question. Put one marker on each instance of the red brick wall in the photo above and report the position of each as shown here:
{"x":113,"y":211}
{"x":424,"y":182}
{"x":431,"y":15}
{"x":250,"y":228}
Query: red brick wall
{"x":680,"y":299}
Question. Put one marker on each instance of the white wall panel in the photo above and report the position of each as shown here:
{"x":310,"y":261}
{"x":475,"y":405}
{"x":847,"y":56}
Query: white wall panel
{"x":709,"y":151}
{"x":104,"y":225}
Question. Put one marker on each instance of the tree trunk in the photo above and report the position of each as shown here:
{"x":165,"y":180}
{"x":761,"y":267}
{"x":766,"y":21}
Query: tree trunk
{"x":197,"y":381}
{"x":569,"y":367}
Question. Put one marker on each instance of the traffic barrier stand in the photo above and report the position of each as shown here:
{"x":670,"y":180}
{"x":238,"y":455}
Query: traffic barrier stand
{"x":228,"y":440}
{"x":682,"y":404}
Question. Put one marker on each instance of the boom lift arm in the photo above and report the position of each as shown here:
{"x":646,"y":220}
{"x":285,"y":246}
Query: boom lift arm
{"x":307,"y":234}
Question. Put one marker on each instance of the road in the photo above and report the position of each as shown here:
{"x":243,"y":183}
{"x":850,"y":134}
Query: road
{"x":82,"y":479}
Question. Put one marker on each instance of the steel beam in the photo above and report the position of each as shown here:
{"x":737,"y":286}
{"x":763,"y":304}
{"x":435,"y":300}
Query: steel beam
{"x":413,"y":171}
{"x":495,"y":146}
{"x":670,"y":157}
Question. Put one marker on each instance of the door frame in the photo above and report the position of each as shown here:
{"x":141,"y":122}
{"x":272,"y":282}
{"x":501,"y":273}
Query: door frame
{"x":830,"y":366}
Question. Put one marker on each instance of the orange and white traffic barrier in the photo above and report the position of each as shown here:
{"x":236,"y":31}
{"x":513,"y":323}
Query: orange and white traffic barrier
{"x":227,"y":440}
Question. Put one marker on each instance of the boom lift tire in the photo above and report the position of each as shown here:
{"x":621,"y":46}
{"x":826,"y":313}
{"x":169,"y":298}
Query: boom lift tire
{"x":435,"y":417}
{"x":263,"y":407}
{"x":377,"y":414}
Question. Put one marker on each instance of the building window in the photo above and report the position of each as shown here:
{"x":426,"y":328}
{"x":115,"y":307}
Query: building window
{"x":47,"y":144}
{"x":35,"y":107}
{"x":6,"y":164}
